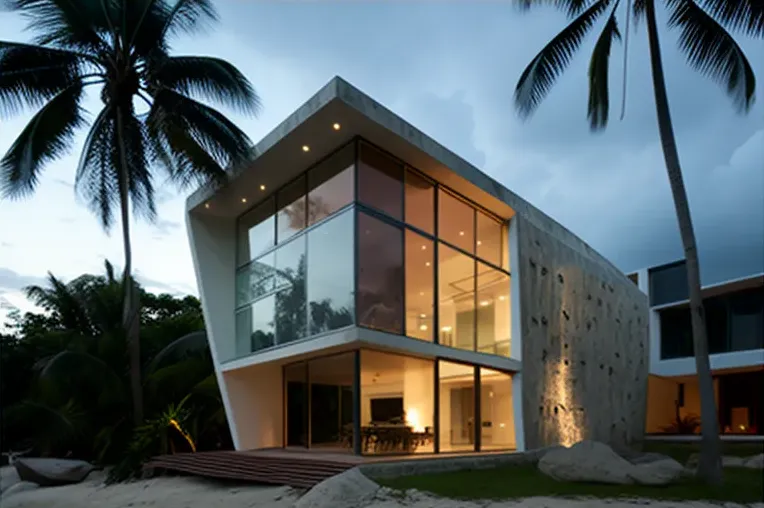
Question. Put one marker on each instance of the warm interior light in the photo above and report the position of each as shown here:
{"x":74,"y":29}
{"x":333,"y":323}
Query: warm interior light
{"x":446,"y":329}
{"x":243,"y":200}
{"x":206,"y":205}
{"x":413,"y":419}
{"x":424,"y":247}
{"x":336,"y":126}
{"x":502,"y":297}
{"x":262,"y":187}
{"x":305,"y":148}
{"x":422,"y":316}
{"x":423,"y":328}
{"x":461,"y":233}
{"x":427,"y":264}
{"x":485,"y":303}
{"x":480,"y":243}
{"x":421,"y":293}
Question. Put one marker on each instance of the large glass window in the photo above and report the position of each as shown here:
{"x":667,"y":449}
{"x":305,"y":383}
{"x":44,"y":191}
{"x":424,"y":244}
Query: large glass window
{"x":490,"y":239}
{"x":291,"y":311}
{"x":420,"y":286}
{"x":493,"y":321}
{"x":290,"y":217}
{"x":456,"y":298}
{"x":330,"y":274}
{"x":256,"y":279}
{"x":668,"y":284}
{"x":254,"y":327}
{"x":256,"y":231}
{"x":331,"y":401}
{"x":456,"y":222}
{"x":497,"y":425}
{"x":380,"y":274}
{"x":331,"y":184}
{"x":380,"y":181}
{"x":420,"y":202}
{"x":296,"y":404}
{"x":456,"y":385}
{"x":397,"y":403}
{"x":747,"y":320}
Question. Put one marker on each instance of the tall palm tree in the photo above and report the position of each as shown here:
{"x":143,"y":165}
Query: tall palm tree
{"x":151,"y":120}
{"x":708,"y":47}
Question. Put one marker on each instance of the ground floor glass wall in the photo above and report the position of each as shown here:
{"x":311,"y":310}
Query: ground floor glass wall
{"x":405,"y":405}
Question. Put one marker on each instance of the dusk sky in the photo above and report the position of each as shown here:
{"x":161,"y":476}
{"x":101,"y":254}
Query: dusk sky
{"x":450,"y":69}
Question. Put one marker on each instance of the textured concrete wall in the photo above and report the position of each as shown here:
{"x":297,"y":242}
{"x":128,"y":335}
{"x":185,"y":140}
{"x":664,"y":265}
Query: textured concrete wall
{"x":585,"y":344}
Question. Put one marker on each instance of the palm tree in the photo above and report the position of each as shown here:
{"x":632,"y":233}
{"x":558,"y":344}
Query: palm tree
{"x":709,"y":48}
{"x":151,"y":120}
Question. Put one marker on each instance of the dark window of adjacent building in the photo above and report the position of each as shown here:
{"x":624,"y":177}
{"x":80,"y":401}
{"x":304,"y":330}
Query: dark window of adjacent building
{"x":634,"y":278}
{"x":380,"y":181}
{"x":380,"y":275}
{"x":668,"y":284}
{"x":734,"y":322}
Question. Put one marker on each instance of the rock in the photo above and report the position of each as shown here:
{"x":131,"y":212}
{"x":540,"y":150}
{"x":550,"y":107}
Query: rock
{"x":646,"y":458}
{"x":692,"y":461}
{"x":658,"y":472}
{"x":345,"y":490}
{"x":8,"y":478}
{"x":19,"y":487}
{"x":728,"y":461}
{"x":755,"y":462}
{"x":52,"y":472}
{"x":587,"y":461}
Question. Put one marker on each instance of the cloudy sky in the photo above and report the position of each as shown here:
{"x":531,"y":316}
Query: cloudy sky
{"x":450,"y":69}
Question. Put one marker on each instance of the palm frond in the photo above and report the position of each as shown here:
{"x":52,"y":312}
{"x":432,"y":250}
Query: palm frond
{"x":638,"y":9}
{"x":31,"y":75}
{"x":188,"y":16}
{"x":96,"y":178}
{"x":712,"y":51}
{"x":47,"y":137}
{"x":76,"y":24}
{"x":206,"y":78}
{"x":69,"y":370}
{"x":194,"y":342}
{"x":746,"y":16}
{"x":49,"y":427}
{"x":571,"y":7}
{"x":599,"y":66}
{"x":137,"y":150}
{"x":201,"y":140}
{"x":539,"y":77}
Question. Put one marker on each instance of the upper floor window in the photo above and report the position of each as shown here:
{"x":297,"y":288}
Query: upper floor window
{"x":668,"y":284}
{"x":380,"y":181}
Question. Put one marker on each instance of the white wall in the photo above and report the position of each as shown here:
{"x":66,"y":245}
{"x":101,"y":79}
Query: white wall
{"x":256,"y":395}
{"x":213,"y":250}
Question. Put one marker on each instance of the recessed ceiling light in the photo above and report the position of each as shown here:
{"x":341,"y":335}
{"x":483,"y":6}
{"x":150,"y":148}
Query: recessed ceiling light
{"x":485,"y":303}
{"x":424,"y":247}
{"x":262,"y":187}
{"x":305,"y":148}
{"x":206,"y":205}
{"x":461,"y":233}
{"x":243,"y":200}
{"x":423,"y":328}
{"x":422,"y":316}
{"x":502,"y":297}
{"x":446,"y":329}
{"x":336,"y":126}
{"x":480,"y":243}
{"x":421,"y":293}
{"x":427,"y":264}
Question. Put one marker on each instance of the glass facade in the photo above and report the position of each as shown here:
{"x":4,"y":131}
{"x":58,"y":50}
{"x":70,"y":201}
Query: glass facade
{"x":362,"y":238}
{"x":734,"y":322}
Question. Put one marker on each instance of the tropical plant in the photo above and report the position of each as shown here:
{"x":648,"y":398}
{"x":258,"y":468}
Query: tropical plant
{"x":75,"y":395}
{"x":151,"y":120}
{"x":709,"y":48}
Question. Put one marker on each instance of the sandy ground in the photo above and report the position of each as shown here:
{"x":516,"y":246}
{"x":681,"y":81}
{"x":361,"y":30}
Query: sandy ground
{"x":180,"y":492}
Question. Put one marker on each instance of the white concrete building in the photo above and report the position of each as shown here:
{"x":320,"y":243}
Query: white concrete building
{"x":735,"y":322}
{"x":366,"y":290}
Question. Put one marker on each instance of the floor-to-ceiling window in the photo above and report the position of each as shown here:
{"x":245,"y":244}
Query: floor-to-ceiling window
{"x":331,"y":401}
{"x":397,"y":404}
{"x":497,"y":423}
{"x":456,"y":386}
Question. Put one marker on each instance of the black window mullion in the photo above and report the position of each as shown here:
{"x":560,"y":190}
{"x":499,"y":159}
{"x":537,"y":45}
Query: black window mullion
{"x":357,"y":402}
{"x":404,"y":328}
{"x":436,"y":408}
{"x":478,"y":417}
{"x":436,"y":278}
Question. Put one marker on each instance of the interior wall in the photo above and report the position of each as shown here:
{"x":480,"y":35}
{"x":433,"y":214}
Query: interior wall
{"x":496,"y":407}
{"x":661,"y":398}
{"x":584,"y":332}
{"x":256,"y":395}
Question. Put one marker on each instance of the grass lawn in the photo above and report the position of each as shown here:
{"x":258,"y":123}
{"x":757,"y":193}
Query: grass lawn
{"x":740,"y":485}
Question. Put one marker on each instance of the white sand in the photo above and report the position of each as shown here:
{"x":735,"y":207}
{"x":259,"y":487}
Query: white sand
{"x":184,"y":492}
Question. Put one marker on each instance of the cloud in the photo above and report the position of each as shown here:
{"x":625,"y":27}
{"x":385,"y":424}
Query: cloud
{"x":10,"y":280}
{"x":165,"y":227}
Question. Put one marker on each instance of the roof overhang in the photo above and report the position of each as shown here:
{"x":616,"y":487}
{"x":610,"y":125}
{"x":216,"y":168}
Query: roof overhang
{"x":280,"y":156}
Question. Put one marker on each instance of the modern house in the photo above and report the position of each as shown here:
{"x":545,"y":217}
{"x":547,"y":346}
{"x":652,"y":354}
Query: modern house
{"x":735,"y":323}
{"x":366,"y":290}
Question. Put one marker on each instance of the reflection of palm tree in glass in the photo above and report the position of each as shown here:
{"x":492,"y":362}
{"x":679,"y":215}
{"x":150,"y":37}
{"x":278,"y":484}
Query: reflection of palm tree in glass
{"x":317,"y":210}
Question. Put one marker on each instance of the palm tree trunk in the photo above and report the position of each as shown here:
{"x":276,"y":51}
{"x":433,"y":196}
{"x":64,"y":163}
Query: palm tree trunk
{"x":130,"y":313}
{"x":710,"y":465}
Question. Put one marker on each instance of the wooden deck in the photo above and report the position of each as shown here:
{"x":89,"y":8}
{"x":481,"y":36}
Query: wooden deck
{"x":277,"y":467}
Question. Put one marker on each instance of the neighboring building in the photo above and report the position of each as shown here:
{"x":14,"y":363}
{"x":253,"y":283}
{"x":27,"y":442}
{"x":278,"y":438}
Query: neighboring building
{"x":735,"y":323}
{"x":366,"y":289}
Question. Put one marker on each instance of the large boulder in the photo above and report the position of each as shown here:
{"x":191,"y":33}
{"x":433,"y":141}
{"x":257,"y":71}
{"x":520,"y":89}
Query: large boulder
{"x":590,"y":461}
{"x":19,"y":487}
{"x":755,"y":462}
{"x":52,"y":472}
{"x":587,"y":461}
{"x":8,"y":478}
{"x":345,"y":490}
